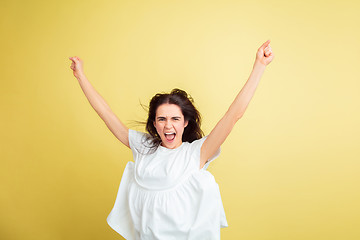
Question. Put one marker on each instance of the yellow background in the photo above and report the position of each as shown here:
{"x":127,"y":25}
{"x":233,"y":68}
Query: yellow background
{"x":288,"y":171}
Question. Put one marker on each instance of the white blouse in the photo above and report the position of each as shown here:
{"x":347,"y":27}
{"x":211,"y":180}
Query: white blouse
{"x":164,"y":194}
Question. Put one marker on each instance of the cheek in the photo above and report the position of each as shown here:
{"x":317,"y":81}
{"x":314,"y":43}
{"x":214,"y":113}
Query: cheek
{"x":181,"y":127}
{"x":156,"y":127}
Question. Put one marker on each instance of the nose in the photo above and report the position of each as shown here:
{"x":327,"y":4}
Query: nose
{"x":167,"y":124}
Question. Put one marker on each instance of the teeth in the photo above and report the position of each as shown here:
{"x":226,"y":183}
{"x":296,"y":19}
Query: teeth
{"x":169,"y":133}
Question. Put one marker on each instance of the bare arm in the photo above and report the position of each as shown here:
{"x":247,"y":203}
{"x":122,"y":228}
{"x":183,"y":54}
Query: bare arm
{"x":236,"y":110}
{"x":99,"y":104}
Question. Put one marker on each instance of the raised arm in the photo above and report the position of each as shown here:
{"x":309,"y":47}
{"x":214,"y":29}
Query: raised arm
{"x":120,"y":131}
{"x":236,"y":110}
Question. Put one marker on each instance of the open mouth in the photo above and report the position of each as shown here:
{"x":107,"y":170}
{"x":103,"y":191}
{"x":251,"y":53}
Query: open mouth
{"x":170,"y":136}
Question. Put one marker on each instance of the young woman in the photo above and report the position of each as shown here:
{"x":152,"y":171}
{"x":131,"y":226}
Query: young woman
{"x":167,"y":193}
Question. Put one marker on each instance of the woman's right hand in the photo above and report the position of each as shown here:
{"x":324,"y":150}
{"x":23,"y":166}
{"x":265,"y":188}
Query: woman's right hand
{"x":77,"y":66}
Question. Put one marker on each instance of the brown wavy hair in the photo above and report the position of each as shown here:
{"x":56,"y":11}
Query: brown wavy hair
{"x":182,"y":99}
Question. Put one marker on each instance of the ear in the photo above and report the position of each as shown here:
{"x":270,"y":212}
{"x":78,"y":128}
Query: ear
{"x":154,"y":124}
{"x":186,"y":123}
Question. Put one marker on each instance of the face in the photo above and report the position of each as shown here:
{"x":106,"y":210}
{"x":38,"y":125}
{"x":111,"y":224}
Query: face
{"x":170,"y":124}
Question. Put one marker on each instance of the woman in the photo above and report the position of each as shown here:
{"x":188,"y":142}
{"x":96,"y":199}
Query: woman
{"x":167,"y":193}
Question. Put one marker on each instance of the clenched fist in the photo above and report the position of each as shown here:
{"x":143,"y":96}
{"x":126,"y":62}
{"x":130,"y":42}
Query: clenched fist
{"x":77,"y":67}
{"x":264,"y":54}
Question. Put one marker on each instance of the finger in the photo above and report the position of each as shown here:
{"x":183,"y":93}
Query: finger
{"x":73,"y":59}
{"x":271,"y":56}
{"x":265,"y":44}
{"x":268,"y":52}
{"x":268,"y":47}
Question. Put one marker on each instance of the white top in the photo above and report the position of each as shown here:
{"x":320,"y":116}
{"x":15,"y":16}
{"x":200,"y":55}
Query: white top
{"x":164,"y":195}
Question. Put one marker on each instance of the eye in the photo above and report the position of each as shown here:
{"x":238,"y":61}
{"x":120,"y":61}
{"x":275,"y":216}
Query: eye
{"x":161,"y":119}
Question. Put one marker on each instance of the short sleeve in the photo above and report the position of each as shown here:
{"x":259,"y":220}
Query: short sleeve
{"x":137,"y":142}
{"x":197,"y":144}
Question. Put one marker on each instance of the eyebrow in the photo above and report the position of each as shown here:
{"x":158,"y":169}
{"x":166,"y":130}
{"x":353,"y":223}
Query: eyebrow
{"x":165,"y":117}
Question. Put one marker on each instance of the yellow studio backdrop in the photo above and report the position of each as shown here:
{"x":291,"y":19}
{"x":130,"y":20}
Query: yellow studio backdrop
{"x":289,"y":170}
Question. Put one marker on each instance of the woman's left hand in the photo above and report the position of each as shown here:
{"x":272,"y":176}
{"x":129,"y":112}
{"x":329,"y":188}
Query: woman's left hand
{"x":264,"y":54}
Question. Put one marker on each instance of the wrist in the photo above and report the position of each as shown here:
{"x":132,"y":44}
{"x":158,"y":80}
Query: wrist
{"x":259,"y":66}
{"x":81,"y":77}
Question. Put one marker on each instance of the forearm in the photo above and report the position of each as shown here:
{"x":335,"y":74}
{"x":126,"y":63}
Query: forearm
{"x":242,"y":100}
{"x":94,"y":98}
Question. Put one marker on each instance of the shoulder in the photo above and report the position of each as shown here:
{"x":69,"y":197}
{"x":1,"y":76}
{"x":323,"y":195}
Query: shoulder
{"x":134,"y":133}
{"x":195,"y":146}
{"x":137,"y":138}
{"x":198,"y":142}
